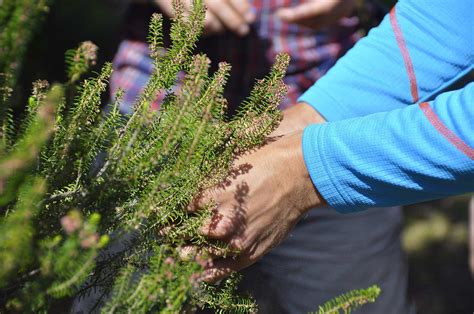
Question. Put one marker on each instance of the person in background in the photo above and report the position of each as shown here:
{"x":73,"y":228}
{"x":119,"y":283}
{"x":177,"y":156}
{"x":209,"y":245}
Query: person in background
{"x":327,"y":253}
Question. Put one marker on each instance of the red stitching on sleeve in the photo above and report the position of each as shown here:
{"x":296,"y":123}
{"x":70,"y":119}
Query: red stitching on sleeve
{"x":405,"y":54}
{"x":447,"y":133}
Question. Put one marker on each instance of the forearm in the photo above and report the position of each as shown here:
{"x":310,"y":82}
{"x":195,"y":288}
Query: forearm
{"x":374,"y":76}
{"x":400,"y":157}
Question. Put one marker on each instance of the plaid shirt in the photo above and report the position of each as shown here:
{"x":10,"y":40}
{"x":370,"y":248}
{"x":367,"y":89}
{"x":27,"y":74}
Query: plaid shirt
{"x":312,"y":54}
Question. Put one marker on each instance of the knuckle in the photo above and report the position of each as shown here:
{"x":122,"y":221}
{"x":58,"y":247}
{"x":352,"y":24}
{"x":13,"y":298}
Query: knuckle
{"x":238,"y":245}
{"x":222,"y":230}
{"x":234,"y":23}
{"x":218,"y":232}
{"x":218,"y":226}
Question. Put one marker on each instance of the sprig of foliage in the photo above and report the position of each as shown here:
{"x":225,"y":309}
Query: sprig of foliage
{"x":18,"y":21}
{"x":80,"y":60}
{"x":17,"y":230}
{"x":22,"y":154}
{"x":223,"y":298}
{"x":350,"y":301}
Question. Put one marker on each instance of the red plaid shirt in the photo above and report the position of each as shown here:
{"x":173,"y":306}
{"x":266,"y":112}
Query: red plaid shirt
{"x":312,"y":54}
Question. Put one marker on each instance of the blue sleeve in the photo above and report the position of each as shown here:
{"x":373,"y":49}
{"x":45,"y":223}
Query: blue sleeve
{"x":372,"y":77}
{"x":417,"y":153}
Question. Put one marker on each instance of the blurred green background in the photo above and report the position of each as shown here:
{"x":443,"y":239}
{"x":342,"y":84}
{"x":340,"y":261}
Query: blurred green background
{"x":435,"y":237}
{"x":435,"y":234}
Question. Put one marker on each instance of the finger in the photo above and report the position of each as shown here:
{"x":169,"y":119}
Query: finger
{"x":205,"y":199}
{"x":166,"y":7}
{"x":207,"y":253}
{"x":229,"y":17}
{"x":200,"y":255}
{"x":187,"y":7}
{"x":221,"y":269}
{"x":213,"y":275}
{"x":187,"y":252}
{"x":173,"y":232}
{"x":165,"y":231}
{"x":305,"y":11}
{"x":244,"y":8}
{"x":212,"y":25}
{"x":218,"y":227}
{"x":215,"y":251}
{"x":317,"y":14}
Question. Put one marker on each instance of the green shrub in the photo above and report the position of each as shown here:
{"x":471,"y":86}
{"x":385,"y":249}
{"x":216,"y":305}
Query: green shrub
{"x":85,"y":196}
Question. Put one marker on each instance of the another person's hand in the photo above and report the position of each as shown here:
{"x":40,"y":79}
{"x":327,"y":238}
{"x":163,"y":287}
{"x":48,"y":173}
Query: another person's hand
{"x":269,"y":193}
{"x":221,"y":15}
{"x":317,"y":14}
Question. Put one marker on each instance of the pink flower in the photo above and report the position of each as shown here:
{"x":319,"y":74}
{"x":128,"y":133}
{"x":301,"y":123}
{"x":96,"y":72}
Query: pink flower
{"x":71,"y":222}
{"x":169,"y":261}
{"x":195,"y":279}
{"x":88,"y":240}
{"x":169,"y":274}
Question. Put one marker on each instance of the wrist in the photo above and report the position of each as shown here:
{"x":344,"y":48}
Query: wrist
{"x":303,"y":190}
{"x":296,"y":118}
{"x":305,"y":115}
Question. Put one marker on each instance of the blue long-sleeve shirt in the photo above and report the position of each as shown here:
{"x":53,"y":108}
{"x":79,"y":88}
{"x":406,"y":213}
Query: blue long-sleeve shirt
{"x":384,"y":145}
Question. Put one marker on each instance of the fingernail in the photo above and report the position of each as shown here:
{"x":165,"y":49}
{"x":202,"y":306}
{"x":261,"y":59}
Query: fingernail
{"x":243,"y":30}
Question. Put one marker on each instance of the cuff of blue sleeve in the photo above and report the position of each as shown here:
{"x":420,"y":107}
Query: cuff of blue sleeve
{"x":323,"y":103}
{"x":313,"y":154}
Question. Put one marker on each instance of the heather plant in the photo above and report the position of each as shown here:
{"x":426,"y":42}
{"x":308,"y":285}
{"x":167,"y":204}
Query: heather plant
{"x":349,"y":301}
{"x":74,"y":180}
{"x":18,"y":21}
{"x":95,"y":203}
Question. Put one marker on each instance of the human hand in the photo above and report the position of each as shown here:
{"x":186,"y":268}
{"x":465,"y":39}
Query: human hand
{"x":317,"y":14}
{"x":296,"y":118}
{"x":221,"y":15}
{"x":257,"y":208}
